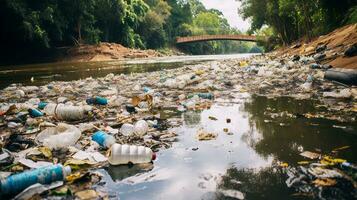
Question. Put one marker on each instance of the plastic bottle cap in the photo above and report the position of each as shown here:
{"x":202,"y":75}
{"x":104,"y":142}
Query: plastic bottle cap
{"x":153,"y":156}
{"x":67,"y":171}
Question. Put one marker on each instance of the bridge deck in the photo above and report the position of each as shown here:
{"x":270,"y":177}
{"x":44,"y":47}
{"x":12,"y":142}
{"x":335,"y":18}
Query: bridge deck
{"x":198,"y":38}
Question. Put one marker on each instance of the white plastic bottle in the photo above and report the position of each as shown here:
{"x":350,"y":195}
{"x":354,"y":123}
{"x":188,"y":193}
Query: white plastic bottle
{"x":66,"y":112}
{"x":123,"y":154}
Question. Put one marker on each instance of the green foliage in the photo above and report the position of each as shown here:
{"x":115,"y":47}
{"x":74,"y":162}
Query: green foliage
{"x":352,"y":16}
{"x":40,"y":25}
{"x":293,"y":19}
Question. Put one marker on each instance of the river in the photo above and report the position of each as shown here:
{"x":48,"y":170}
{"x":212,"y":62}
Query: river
{"x":241,"y":163}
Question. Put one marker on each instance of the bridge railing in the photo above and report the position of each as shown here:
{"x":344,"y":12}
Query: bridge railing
{"x":216,"y":37}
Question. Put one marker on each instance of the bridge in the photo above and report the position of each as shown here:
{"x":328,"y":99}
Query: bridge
{"x":200,"y":38}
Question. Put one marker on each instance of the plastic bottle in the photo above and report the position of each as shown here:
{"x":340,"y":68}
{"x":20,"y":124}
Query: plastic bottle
{"x":44,"y":175}
{"x":103,"y":139}
{"x":35,"y":113}
{"x":141,"y":127}
{"x":202,"y":95}
{"x":42,"y":105}
{"x":126,"y":129}
{"x":97,"y":100}
{"x":67,"y":112}
{"x":123,"y":154}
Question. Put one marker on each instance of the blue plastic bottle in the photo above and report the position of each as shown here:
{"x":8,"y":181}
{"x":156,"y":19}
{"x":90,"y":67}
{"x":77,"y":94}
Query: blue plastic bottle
{"x":103,"y":139}
{"x":35,"y":113}
{"x":97,"y":100}
{"x":44,"y":175}
{"x":42,"y":105}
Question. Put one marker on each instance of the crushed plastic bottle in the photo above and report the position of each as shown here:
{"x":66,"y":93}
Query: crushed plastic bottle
{"x":62,"y":136}
{"x":123,"y":154}
{"x":103,"y":139}
{"x":126,"y":129}
{"x":141,"y":127}
{"x":67,"y":112}
{"x":44,"y":175}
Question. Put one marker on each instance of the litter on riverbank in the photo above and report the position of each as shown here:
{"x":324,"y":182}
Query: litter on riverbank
{"x":54,"y":123}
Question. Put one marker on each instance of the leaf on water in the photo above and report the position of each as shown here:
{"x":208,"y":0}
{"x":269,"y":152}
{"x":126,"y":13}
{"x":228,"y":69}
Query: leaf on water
{"x":284,"y":164}
{"x":212,"y":118}
{"x":309,"y":154}
{"x":78,"y":164}
{"x":75,"y":176}
{"x":45,"y":151}
{"x":135,"y":101}
{"x":324,"y":182}
{"x":328,"y":160}
{"x":203,"y":135}
{"x":303,"y":162}
{"x":341,"y":148}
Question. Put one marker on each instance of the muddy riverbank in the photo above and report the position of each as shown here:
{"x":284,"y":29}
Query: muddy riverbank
{"x":212,"y":124}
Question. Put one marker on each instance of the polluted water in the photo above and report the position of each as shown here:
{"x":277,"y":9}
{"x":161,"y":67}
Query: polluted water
{"x":242,"y":128}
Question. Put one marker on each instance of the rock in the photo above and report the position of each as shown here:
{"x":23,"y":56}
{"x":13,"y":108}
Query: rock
{"x":315,"y":66}
{"x":296,"y":58}
{"x":352,"y":51}
{"x":320,"y":48}
{"x":319,"y":57}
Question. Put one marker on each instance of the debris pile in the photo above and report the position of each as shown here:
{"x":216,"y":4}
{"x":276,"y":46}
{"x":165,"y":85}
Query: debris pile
{"x":75,"y":123}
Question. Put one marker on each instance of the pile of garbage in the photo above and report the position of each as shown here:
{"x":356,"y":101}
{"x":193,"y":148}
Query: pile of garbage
{"x":323,"y":177}
{"x":52,"y":135}
{"x":67,"y":128}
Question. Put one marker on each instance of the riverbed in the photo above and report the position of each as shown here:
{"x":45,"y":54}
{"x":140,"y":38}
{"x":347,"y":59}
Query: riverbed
{"x":259,"y":138}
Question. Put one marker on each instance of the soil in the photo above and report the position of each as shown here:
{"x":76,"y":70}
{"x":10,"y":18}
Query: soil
{"x":105,"y":52}
{"x":337,"y":43}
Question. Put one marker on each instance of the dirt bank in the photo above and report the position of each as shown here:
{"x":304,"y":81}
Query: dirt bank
{"x":104,"y":52}
{"x":337,"y":42}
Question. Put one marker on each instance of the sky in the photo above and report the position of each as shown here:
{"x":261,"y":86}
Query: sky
{"x":229,"y":8}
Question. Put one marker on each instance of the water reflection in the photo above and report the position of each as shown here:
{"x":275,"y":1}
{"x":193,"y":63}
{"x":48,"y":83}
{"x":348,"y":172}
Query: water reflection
{"x":47,"y":72}
{"x":263,"y":131}
{"x":283,"y":137}
{"x":264,"y":183}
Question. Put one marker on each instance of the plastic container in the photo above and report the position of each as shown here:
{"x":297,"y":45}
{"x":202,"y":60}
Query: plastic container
{"x":202,"y":95}
{"x":44,"y":175}
{"x":62,"y":136}
{"x":67,"y":112}
{"x":141,"y":127}
{"x":124,"y":154}
{"x":342,"y":77}
{"x":103,"y":139}
{"x":126,"y":129}
{"x":97,"y":101}
{"x":35,"y":113}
